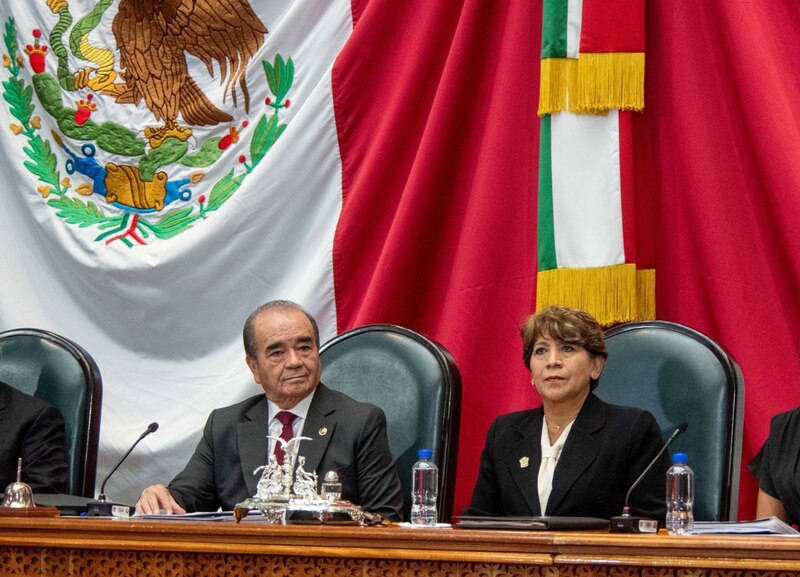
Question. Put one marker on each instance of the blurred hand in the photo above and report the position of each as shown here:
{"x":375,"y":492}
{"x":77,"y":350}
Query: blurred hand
{"x":156,"y":499}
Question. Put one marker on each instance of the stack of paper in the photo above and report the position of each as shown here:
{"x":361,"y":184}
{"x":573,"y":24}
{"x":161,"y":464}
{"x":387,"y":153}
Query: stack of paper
{"x":769,"y":525}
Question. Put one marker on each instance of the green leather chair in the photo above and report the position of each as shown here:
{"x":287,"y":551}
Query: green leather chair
{"x":57,"y":370}
{"x":679,"y":374}
{"x":417,"y":384}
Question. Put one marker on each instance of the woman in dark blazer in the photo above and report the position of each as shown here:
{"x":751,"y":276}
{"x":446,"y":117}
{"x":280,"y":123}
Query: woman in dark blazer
{"x":575,"y":455}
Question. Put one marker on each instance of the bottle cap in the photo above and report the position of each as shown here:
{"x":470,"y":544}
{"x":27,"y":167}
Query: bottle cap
{"x":679,"y":458}
{"x":425,"y":453}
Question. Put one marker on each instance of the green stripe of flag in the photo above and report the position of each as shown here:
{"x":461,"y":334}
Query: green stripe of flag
{"x":554,"y":28}
{"x":545,"y":231}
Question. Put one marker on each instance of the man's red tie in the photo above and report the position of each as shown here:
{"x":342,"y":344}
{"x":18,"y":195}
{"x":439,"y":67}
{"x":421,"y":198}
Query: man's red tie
{"x":286,"y":418}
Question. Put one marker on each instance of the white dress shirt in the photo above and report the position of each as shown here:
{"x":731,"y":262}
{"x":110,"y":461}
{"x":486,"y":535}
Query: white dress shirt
{"x":550,"y":455}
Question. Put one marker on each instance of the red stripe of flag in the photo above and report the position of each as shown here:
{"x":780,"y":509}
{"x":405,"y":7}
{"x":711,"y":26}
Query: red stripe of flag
{"x":612,"y":26}
{"x":438,"y":143}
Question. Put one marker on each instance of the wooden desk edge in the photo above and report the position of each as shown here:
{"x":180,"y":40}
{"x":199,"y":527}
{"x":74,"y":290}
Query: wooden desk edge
{"x":759,"y":553}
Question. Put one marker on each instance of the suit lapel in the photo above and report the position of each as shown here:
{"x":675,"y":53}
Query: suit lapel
{"x":253,"y":445}
{"x":524,"y":458}
{"x":319,"y":426}
{"x":579,"y":452}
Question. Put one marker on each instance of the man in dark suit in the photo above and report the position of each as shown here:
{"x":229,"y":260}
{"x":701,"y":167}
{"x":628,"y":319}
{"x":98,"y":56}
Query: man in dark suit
{"x":281,"y":342}
{"x":33,"y":430}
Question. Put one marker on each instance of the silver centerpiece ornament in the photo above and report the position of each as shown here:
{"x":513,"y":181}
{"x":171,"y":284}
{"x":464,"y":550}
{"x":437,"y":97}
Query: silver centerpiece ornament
{"x":288,"y":492}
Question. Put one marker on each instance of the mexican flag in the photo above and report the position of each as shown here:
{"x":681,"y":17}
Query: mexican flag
{"x":373,"y":161}
{"x":592,"y":77}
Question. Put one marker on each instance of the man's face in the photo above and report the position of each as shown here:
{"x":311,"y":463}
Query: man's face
{"x":286,"y":364}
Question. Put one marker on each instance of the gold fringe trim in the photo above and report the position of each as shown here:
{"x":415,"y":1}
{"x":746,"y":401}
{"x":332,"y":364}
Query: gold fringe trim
{"x":611,"y":294}
{"x":553,"y":85}
{"x":645,"y":294}
{"x":594,"y":83}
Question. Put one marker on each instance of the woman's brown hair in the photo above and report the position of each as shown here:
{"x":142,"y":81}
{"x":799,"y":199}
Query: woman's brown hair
{"x":566,"y":325}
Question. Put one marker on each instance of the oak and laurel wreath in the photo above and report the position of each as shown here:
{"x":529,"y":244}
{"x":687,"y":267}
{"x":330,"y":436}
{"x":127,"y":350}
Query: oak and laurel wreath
{"x":43,"y":163}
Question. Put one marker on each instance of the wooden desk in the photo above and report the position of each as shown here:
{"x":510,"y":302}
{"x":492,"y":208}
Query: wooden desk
{"x":98,"y":547}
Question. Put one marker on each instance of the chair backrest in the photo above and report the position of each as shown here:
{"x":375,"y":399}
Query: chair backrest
{"x":679,"y":374}
{"x":57,"y":370}
{"x":417,"y":384}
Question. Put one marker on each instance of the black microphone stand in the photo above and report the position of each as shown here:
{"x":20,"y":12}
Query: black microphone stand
{"x":103,"y":508}
{"x":627,"y":523}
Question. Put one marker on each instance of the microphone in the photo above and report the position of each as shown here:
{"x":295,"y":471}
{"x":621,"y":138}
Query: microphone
{"x":627,"y":523}
{"x":103,"y":508}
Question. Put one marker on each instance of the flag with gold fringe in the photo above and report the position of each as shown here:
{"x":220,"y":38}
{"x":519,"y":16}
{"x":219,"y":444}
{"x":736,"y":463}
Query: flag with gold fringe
{"x":592,"y":77}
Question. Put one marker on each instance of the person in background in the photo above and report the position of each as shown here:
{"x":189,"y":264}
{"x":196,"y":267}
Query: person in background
{"x":575,"y":455}
{"x":33,"y":430}
{"x":777,"y":468}
{"x":281,"y":342}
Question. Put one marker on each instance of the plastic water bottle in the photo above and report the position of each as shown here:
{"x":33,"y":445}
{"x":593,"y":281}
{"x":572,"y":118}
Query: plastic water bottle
{"x":680,"y":497}
{"x":424,"y":489}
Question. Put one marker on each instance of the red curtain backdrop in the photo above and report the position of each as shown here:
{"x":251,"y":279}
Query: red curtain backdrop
{"x":436,"y":111}
{"x":719,"y":162}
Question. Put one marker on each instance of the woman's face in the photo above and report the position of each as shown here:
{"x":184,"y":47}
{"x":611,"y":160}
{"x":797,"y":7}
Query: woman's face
{"x":561,"y":371}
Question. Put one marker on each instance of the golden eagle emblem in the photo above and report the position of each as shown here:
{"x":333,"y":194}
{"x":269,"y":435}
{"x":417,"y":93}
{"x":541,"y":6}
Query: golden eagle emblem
{"x":154,"y":38}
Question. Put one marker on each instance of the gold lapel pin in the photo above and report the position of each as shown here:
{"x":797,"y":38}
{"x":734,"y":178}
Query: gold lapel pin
{"x":523,"y":462}
{"x":323,"y":431}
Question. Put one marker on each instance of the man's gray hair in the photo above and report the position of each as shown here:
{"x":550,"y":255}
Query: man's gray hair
{"x":250,"y":338}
